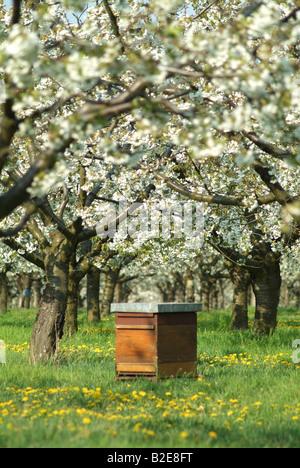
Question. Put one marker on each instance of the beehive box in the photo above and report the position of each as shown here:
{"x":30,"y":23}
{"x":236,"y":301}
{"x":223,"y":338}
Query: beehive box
{"x":156,"y":340}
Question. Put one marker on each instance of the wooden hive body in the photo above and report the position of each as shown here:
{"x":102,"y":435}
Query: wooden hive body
{"x":155,"y":344}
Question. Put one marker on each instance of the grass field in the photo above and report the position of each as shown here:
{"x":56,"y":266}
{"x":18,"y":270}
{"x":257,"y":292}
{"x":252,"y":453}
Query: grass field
{"x":247,"y":393}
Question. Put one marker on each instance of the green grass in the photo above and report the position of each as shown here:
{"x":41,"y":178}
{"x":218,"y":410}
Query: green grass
{"x":247,"y":394}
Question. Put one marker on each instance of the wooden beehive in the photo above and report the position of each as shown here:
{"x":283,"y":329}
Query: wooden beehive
{"x":156,"y":340}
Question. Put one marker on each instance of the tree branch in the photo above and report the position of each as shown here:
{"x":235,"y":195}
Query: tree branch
{"x":29,"y":256}
{"x":292,"y":15}
{"x":204,"y":10}
{"x":85,"y":263}
{"x":268,"y":147}
{"x":64,"y":202}
{"x":231,"y":255}
{"x":38,"y":235}
{"x":212,"y":199}
{"x":46,"y":209}
{"x":44,"y":206}
{"x":108,"y":200}
{"x":113,"y":22}
{"x":280,"y":194}
{"x":52,"y":108}
{"x":8,"y":127}
{"x":92,"y":232}
{"x":18,"y":194}
{"x":14,"y":231}
{"x":16,"y":15}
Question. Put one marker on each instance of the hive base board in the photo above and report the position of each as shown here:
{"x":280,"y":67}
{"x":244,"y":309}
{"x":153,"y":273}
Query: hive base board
{"x":134,"y":376}
{"x":166,"y":370}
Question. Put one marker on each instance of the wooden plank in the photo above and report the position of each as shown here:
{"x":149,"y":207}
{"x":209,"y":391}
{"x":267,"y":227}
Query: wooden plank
{"x":135,"y":321}
{"x":136,"y":346}
{"x":136,"y":316}
{"x":135,"y":367}
{"x":135,"y":327}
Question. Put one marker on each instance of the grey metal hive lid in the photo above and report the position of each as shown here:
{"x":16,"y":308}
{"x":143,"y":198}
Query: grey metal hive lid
{"x":155,"y":308}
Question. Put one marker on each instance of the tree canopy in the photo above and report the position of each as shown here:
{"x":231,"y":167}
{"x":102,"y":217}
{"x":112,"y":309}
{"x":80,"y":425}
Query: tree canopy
{"x":125,"y":99}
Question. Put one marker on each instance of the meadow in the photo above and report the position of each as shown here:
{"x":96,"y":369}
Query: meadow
{"x":246,"y":393}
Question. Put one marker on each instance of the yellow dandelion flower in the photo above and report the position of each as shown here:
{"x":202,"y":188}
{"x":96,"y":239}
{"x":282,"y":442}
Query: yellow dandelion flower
{"x":137,"y":427}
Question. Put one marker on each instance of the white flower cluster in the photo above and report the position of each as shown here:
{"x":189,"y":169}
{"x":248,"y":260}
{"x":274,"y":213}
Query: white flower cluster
{"x":209,"y":82}
{"x":18,"y":54}
{"x":45,"y":184}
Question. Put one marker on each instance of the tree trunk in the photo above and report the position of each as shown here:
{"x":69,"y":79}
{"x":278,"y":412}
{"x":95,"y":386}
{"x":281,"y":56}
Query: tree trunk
{"x":266,"y":285}
{"x":49,"y":324}
{"x":285,"y":295}
{"x":93,"y":302}
{"x":205,"y":293}
{"x":20,"y":291}
{"x":71,"y":319}
{"x":36,"y":293}
{"x":189,"y":287}
{"x":167,"y":291}
{"x":3,"y":293}
{"x":221,"y":294}
{"x":122,"y":292}
{"x":111,"y":279}
{"x":214,"y":295}
{"x":241,"y":281}
{"x":9,"y":298}
{"x":118,"y":293}
{"x":26,"y":282}
{"x":179,"y":288}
